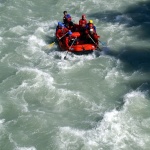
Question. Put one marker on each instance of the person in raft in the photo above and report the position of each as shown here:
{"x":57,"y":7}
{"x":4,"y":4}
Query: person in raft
{"x":92,"y":37}
{"x":61,"y":31}
{"x":90,"y":25}
{"x":82,"y":22}
{"x":64,"y":18}
{"x":82,"y":26}
{"x":70,"y":40}
{"x":69,"y":24}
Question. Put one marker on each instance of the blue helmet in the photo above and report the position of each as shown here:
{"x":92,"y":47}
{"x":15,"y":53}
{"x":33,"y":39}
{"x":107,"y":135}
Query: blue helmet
{"x":68,"y":16}
{"x":59,"y":23}
{"x":69,"y":33}
{"x":62,"y":25}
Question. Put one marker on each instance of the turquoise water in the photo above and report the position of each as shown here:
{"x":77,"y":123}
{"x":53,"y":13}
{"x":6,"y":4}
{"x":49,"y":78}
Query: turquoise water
{"x":99,"y":101}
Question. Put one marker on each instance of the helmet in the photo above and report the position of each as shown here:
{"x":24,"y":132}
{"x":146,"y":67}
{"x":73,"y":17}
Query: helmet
{"x":69,"y":33}
{"x":68,"y":16}
{"x":90,"y":21}
{"x":59,"y":23}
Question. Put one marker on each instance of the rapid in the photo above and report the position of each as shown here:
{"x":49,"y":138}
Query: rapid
{"x":99,"y":101}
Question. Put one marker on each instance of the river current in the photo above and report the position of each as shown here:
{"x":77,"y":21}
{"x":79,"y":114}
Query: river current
{"x":99,"y":101}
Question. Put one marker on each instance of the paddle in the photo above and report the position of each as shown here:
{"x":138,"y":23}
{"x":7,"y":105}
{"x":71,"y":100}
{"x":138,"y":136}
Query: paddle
{"x":103,"y":43}
{"x":70,"y":47}
{"x":50,"y":45}
{"x":94,"y":42}
{"x":66,"y":55}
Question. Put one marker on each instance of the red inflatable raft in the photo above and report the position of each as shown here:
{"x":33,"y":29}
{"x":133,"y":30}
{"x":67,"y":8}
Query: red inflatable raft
{"x":79,"y":47}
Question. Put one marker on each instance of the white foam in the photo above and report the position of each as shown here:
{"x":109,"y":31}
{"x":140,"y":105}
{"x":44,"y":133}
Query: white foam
{"x":41,"y":76}
{"x":5,"y":57}
{"x":72,"y":62}
{"x":25,"y":148}
{"x":68,"y":136}
{"x":114,"y":74}
{"x":38,"y":79}
{"x":39,"y":31}
{"x":18,"y":30}
{"x":2,"y":127}
{"x":114,"y":131}
{"x":2,"y":121}
{"x":135,"y":102}
{"x":34,"y":41}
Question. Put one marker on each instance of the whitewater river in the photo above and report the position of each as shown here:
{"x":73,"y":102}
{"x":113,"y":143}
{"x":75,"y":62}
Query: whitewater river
{"x":99,"y":101}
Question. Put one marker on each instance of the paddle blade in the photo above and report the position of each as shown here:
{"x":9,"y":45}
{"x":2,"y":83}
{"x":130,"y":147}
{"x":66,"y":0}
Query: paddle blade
{"x":50,"y":45}
{"x":103,"y":43}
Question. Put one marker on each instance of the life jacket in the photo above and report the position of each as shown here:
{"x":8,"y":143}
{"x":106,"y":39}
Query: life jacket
{"x":69,"y":40}
{"x":61,"y":31}
{"x":82,"y":22}
{"x":57,"y":28}
{"x":93,"y":36}
{"x":90,"y":26}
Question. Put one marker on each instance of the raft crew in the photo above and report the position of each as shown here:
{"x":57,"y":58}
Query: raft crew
{"x":92,"y":36}
{"x":87,"y":30}
{"x":69,"y":24}
{"x":68,"y":39}
{"x":61,"y":31}
{"x":90,"y":25}
{"x":83,"y":22}
{"x":71,"y":39}
{"x":82,"y":26}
